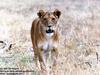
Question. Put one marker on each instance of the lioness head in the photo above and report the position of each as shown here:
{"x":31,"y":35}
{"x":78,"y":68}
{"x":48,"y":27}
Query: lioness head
{"x":49,"y":20}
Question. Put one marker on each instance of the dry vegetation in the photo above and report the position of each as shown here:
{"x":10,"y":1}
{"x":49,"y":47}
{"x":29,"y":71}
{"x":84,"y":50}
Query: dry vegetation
{"x":79,"y":27}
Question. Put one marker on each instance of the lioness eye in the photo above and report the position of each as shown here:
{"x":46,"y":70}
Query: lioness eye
{"x":53,"y":18}
{"x":45,"y":18}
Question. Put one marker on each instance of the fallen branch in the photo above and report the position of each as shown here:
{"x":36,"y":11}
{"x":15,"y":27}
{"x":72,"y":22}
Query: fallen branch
{"x":97,"y":56}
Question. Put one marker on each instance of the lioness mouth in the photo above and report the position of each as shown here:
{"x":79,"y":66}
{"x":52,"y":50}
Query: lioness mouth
{"x":49,"y":31}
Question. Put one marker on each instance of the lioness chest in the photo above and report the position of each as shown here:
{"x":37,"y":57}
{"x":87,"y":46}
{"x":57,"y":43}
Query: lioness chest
{"x":49,"y":43}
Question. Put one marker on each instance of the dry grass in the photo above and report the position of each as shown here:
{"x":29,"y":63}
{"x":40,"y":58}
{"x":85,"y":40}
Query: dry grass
{"x":79,"y":27}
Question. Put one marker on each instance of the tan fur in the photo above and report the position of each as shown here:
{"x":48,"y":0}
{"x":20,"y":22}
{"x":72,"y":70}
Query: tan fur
{"x":40,"y":39}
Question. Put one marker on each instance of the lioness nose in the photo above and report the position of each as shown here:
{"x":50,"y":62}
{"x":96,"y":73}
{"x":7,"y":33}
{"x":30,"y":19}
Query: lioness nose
{"x":49,"y":26}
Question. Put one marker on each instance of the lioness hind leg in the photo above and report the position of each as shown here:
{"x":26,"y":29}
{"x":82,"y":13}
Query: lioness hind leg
{"x":36,"y":58}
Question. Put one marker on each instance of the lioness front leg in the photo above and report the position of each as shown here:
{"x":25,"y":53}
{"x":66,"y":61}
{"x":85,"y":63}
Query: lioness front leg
{"x":55,"y":61}
{"x":42,"y":64}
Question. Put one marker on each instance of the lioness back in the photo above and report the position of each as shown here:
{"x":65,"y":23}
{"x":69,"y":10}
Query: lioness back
{"x":35,"y":32}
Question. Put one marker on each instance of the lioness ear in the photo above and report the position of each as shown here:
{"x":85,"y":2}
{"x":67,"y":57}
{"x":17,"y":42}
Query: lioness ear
{"x":40,"y":13}
{"x":57,"y":13}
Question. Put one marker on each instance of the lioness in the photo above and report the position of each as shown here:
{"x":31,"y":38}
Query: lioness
{"x":44,"y":35}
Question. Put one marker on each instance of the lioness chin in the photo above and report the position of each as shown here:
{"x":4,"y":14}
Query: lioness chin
{"x":44,"y":35}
